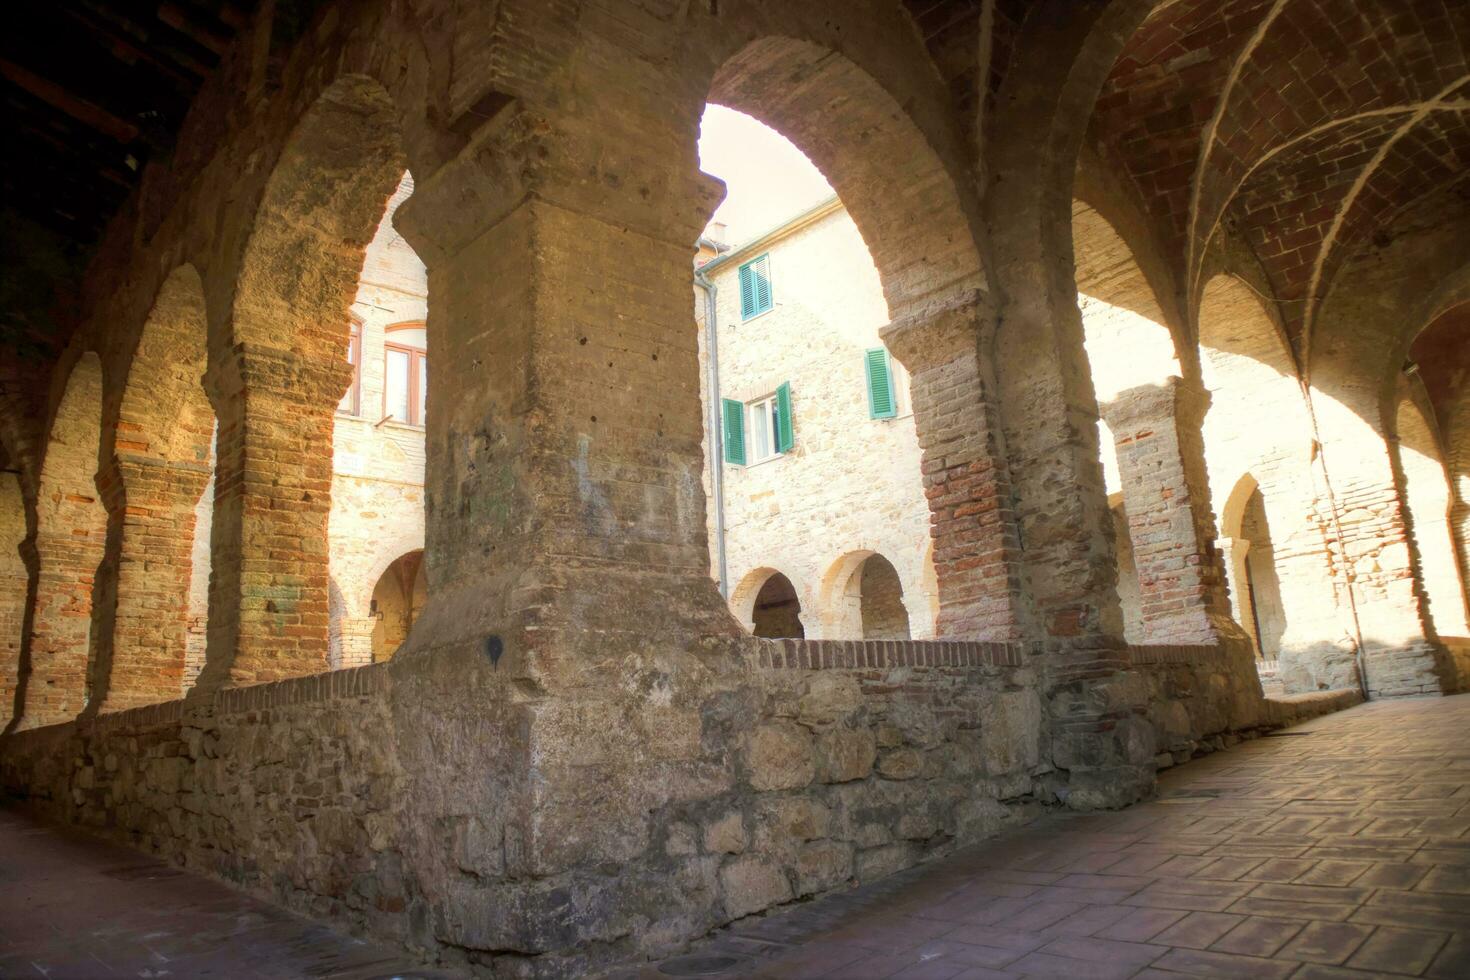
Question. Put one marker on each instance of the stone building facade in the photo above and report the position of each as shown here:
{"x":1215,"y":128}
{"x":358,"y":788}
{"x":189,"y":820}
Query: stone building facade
{"x":578,"y":758}
{"x":850,"y":486}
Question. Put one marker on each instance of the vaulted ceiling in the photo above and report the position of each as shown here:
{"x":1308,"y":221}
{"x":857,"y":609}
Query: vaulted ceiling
{"x":1305,"y":126}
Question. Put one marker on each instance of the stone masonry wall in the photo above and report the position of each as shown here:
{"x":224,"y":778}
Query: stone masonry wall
{"x":824,"y":764}
{"x":851,"y":484}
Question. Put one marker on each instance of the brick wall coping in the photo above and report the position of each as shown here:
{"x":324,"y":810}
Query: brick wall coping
{"x":768,"y":654}
{"x":1145,"y":654}
{"x":825,"y":654}
{"x":332,"y":685}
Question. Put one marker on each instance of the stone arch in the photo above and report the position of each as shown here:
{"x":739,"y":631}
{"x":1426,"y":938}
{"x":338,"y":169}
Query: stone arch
{"x":859,"y":137}
{"x":153,"y":481}
{"x":1249,"y":552}
{"x":927,"y":250}
{"x":744,"y":595}
{"x":71,"y":526}
{"x":285,"y":371}
{"x":1427,"y":500}
{"x":754,"y":598}
{"x":399,"y":595}
{"x":862,"y":597}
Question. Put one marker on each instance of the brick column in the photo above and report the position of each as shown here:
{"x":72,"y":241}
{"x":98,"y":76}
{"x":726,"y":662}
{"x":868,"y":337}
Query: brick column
{"x":141,"y":621}
{"x":65,"y":551}
{"x":268,"y":599}
{"x":972,"y":519}
{"x":1182,"y":586}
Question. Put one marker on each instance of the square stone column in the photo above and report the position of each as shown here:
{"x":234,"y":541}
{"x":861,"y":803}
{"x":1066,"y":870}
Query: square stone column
{"x":268,"y":593}
{"x":141,"y":613}
{"x":1161,"y":463}
{"x":972,"y":518}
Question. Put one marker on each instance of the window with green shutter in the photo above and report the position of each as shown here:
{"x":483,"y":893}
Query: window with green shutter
{"x":734,"y":413}
{"x":882,"y":404}
{"x":785,"y":432}
{"x":756,"y":296}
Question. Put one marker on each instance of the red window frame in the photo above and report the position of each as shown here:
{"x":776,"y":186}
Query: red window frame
{"x":417,"y":365}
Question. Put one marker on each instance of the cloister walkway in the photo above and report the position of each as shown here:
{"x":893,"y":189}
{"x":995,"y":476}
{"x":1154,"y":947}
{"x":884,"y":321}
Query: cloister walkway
{"x":1337,"y":849}
{"x":76,"y":908}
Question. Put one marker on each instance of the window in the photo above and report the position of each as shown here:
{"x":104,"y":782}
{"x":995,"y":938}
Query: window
{"x":755,"y":287}
{"x":405,"y":374}
{"x":888,"y":384}
{"x":351,"y":403}
{"x":760,"y":430}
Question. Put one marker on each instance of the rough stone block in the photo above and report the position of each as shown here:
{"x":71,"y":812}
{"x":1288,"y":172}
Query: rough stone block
{"x":845,"y":754}
{"x":751,"y":884}
{"x":780,"y":756}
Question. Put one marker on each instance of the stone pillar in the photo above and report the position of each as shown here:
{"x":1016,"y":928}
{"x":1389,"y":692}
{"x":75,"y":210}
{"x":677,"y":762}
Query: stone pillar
{"x":1233,"y":555}
{"x":1166,"y":490}
{"x":141,"y":619}
{"x":972,"y":518}
{"x":356,"y":637}
{"x":268,"y":598}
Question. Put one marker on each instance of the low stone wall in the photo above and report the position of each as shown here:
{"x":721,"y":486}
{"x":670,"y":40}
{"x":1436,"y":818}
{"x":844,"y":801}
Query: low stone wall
{"x":467,"y":815}
{"x":1201,"y":698}
{"x":823,"y":764}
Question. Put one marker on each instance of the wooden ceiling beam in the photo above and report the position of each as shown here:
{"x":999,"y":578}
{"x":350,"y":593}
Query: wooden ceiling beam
{"x":88,"y":113}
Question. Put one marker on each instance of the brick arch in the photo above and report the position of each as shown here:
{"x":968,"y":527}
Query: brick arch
{"x":277,"y":385}
{"x":71,"y":526}
{"x":158,"y":460}
{"x":1427,"y":495}
{"x":922,"y":241}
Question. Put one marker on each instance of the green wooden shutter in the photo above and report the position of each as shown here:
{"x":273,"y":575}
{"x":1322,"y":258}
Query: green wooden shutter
{"x":756,"y":296}
{"x":747,"y":291}
{"x":785,"y":433}
{"x":881,"y":403}
{"x":764,"y":300}
{"x":734,"y":413}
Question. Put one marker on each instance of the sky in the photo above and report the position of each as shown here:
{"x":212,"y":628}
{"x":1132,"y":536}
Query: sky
{"x":768,"y":179}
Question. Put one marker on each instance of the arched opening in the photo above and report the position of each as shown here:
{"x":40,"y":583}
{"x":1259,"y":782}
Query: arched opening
{"x":863,"y":599}
{"x":288,"y":365}
{"x":1258,"y":424}
{"x":71,"y":527}
{"x":1250,"y":562}
{"x":1428,"y":497}
{"x":881,"y":600}
{"x":1131,"y":355}
{"x":398,"y":599}
{"x":155,"y":488}
{"x":776,"y":613}
{"x":379,"y":440}
{"x":815,"y":421}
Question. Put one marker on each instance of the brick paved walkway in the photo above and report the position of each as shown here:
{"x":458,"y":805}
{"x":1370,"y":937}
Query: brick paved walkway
{"x":72,"y":907}
{"x":1339,"y":849}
